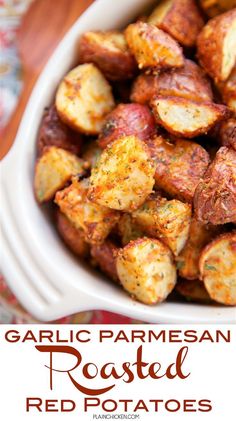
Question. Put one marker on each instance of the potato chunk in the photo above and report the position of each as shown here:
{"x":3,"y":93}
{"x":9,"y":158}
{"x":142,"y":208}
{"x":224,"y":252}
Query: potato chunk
{"x":180,"y":18}
{"x":228,"y":90}
{"x":187,"y":82}
{"x":165,"y":219}
{"x":124,"y":176}
{"x":180,"y":164}
{"x":218,"y":268}
{"x":183,"y":117}
{"x":152,"y":47}
{"x":126,"y":120}
{"x":73,"y":237}
{"x":215,"y":195}
{"x":227,"y":133}
{"x":188,"y":260}
{"x":193,"y":291}
{"x":146,"y":270}
{"x":53,"y":132}
{"x":216,"y":45}
{"x":104,"y":256}
{"x":52,"y":171}
{"x":95,"y":221}
{"x":109,"y":52}
{"x":84,"y":98}
{"x":128,"y":229}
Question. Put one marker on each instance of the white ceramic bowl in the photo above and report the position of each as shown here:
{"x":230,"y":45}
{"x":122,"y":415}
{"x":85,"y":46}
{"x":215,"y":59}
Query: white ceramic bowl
{"x":44,"y":276}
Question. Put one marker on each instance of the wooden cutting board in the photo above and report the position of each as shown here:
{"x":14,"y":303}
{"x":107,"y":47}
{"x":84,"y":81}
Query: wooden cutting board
{"x":41,"y":29}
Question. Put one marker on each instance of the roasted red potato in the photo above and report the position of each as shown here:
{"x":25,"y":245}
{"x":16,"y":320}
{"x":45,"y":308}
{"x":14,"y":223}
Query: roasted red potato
{"x":227,"y":133}
{"x":187,"y":82}
{"x":180,"y":164}
{"x":104,"y":256}
{"x":95,"y":221}
{"x":180,"y":18}
{"x":199,"y":236}
{"x":216,"y":7}
{"x":218,"y":268}
{"x":126,"y":120}
{"x":128,"y":229}
{"x":187,"y":118}
{"x":228,"y":91}
{"x":215,"y":195}
{"x":146,"y":270}
{"x":124,"y":176}
{"x":216,"y":46}
{"x":53,"y":169}
{"x":109,"y":52}
{"x":73,"y":237}
{"x":152,"y":47}
{"x":53,"y":132}
{"x":84,"y":98}
{"x":168,"y":220}
{"x":193,"y":291}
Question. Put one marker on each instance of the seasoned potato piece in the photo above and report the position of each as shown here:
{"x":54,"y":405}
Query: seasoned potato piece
{"x":72,"y":237}
{"x":124,"y":176}
{"x":146,"y":270}
{"x":128,"y":229}
{"x":227,"y":133}
{"x":215,"y":195}
{"x":193,"y":291}
{"x":216,"y":7}
{"x":84,"y":98}
{"x":180,"y":164}
{"x":152,"y":47}
{"x":183,"y":117}
{"x":228,"y":90}
{"x":105,"y":257}
{"x":180,"y":18}
{"x":53,"y":132}
{"x":218,"y":268}
{"x":165,"y":219}
{"x":109,"y":51}
{"x":126,"y":120}
{"x":95,"y":221}
{"x":188,"y":259}
{"x":216,"y":45}
{"x":187,"y":82}
{"x":52,"y":171}
{"x":91,"y":153}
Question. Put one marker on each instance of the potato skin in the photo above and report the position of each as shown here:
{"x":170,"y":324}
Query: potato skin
{"x":182,"y":20}
{"x":228,"y":91}
{"x":146,"y":270}
{"x":53,"y":169}
{"x":84,"y":98}
{"x":152,"y":47}
{"x":227,"y":133}
{"x":187,"y":82}
{"x":180,"y":164}
{"x":53,"y":132}
{"x":105,"y":257}
{"x":186,"y":118}
{"x":109,"y":52}
{"x":188,"y":260}
{"x":95,"y":221}
{"x":124,"y":176}
{"x":168,"y":220}
{"x":218,"y":268}
{"x":210,"y":46}
{"x":126,"y":120}
{"x":193,"y":291}
{"x":215,"y":195}
{"x":72,"y":237}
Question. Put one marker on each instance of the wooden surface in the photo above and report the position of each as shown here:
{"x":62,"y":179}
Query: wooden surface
{"x":41,"y":29}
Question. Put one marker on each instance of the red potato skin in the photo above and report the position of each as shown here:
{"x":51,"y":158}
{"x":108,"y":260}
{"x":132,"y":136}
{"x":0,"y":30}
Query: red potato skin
{"x":72,"y":237}
{"x":105,"y":257}
{"x":53,"y":132}
{"x":115,"y":65}
{"x":227,"y":133}
{"x":126,"y":120}
{"x":215,"y":195}
{"x":180,"y":164}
